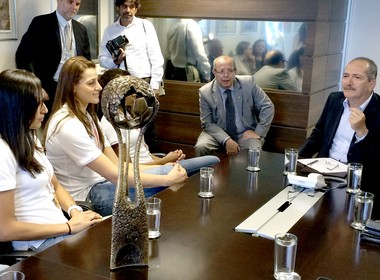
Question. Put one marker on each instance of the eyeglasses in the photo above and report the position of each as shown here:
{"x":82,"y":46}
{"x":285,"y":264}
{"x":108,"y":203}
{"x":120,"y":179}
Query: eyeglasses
{"x":225,"y":71}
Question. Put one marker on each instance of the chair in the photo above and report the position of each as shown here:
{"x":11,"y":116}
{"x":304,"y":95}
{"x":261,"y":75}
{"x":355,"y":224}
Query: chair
{"x":9,"y":256}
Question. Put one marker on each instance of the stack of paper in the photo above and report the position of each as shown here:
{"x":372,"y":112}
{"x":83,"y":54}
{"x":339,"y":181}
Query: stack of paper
{"x":326,"y":166}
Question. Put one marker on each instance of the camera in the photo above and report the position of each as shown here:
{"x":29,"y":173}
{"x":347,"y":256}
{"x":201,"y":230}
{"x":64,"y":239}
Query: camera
{"x":114,"y":45}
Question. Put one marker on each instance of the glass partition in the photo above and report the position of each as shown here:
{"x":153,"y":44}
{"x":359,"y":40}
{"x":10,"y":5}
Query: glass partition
{"x":283,"y":36}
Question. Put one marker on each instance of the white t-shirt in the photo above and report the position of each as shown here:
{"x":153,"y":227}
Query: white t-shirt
{"x":69,"y":148}
{"x":109,"y":131}
{"x":33,"y":197}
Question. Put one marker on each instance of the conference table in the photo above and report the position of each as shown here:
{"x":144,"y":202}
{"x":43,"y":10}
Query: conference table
{"x":198,"y":240}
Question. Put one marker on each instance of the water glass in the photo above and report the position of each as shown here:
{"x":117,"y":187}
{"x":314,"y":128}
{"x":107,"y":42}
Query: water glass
{"x":354,"y":177}
{"x":206,"y":182}
{"x":285,"y":249}
{"x":362,"y":210}
{"x":12,"y":275}
{"x":253,"y":159}
{"x":153,"y":210}
{"x":290,"y":161}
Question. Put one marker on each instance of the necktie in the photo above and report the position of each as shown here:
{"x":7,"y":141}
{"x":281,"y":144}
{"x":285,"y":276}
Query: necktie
{"x":230,"y":116}
{"x":67,"y":34}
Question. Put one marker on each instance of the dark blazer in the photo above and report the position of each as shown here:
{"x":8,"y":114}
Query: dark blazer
{"x":366,"y":151}
{"x":40,"y":48}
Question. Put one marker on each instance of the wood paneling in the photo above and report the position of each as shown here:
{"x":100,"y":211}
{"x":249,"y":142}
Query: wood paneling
{"x":294,"y":10}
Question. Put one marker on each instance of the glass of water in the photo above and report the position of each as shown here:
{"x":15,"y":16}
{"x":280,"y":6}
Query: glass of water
{"x":290,"y":161}
{"x":362,"y":210}
{"x":285,"y":249}
{"x":206,"y":182}
{"x":153,"y":210}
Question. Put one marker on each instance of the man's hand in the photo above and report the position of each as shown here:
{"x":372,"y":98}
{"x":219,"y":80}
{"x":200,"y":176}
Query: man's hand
{"x":118,"y":60}
{"x":250,"y":134}
{"x":232,"y":148}
{"x":357,"y":122}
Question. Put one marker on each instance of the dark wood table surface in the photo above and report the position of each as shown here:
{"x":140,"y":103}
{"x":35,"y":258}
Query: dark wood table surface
{"x":199,"y":242}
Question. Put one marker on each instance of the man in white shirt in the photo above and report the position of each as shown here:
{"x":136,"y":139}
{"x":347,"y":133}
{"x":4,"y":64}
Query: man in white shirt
{"x":142,"y":55}
{"x":185,"y":47}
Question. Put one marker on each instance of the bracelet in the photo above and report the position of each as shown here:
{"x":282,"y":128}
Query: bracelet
{"x":69,"y":228}
{"x":74,"y":207}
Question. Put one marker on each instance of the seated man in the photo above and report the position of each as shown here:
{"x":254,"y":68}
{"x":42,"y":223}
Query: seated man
{"x":349,"y":127}
{"x":273,"y":74}
{"x":235,"y":112}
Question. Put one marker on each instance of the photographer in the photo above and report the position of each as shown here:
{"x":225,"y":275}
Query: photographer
{"x":140,"y":51}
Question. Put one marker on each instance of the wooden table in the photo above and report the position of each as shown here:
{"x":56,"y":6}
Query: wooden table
{"x":199,"y":242}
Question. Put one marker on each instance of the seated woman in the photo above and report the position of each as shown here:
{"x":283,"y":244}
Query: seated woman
{"x":82,"y":158}
{"x":31,"y":198}
{"x":145,"y":157}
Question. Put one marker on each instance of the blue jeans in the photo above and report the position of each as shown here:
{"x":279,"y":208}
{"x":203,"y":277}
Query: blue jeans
{"x":191,"y":165}
{"x":102,"y":196}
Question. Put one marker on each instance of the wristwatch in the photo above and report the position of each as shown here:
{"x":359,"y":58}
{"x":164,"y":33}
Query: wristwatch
{"x":74,"y":206}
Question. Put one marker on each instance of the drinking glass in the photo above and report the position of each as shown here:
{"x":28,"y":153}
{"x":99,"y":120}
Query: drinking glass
{"x":354,"y":177}
{"x":12,"y":275}
{"x":153,"y":210}
{"x":285,"y":249}
{"x":290,"y":161}
{"x":206,"y":182}
{"x":362,"y":210}
{"x":253,"y":159}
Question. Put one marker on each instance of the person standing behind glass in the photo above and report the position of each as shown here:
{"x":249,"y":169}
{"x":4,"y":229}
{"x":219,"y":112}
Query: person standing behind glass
{"x":31,"y":197}
{"x":185,"y":46}
{"x":244,"y":59}
{"x":142,"y":54}
{"x":259,"y":50}
{"x":215,"y":49}
{"x":295,"y":66}
{"x":44,"y":47}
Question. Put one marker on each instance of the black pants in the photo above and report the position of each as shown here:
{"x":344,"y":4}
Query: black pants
{"x":174,"y":73}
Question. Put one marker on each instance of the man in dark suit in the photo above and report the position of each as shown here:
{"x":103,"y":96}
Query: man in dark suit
{"x":349,"y":127}
{"x":242,"y":122}
{"x":43,"y":48}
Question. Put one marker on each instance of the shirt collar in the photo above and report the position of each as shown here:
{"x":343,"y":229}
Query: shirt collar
{"x":361,"y":107}
{"x":61,"y":20}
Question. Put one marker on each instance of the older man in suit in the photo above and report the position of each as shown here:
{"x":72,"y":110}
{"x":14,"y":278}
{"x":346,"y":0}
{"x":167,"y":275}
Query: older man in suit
{"x":46,"y":45}
{"x":235,"y":112}
{"x":349,"y":127}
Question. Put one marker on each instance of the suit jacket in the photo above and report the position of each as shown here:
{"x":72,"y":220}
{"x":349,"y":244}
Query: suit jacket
{"x":40,"y":48}
{"x":366,"y":151}
{"x":277,"y":78}
{"x":255,"y":108}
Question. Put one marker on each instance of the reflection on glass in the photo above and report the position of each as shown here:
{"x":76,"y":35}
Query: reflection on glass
{"x":223,"y":36}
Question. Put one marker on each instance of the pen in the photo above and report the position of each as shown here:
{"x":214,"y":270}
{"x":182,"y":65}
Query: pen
{"x":312,"y":162}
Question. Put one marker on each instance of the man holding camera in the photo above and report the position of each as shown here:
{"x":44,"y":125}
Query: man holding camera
{"x":52,"y":39}
{"x":131,"y":43}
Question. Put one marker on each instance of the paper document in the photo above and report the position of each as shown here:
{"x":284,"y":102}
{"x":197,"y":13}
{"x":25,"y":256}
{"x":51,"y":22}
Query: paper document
{"x":328,"y":166}
{"x":279,"y":214}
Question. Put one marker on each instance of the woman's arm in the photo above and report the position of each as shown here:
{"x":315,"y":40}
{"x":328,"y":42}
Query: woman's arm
{"x":11,"y":229}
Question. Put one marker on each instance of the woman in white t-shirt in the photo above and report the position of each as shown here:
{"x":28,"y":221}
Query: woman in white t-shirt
{"x":82,"y":158}
{"x":31,"y":198}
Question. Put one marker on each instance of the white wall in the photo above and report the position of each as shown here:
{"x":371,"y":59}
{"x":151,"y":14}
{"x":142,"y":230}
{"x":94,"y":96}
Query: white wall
{"x":25,"y":11}
{"x":363,"y":33}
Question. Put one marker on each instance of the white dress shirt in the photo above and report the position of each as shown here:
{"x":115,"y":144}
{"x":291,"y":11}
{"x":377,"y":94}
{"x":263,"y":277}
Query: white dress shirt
{"x":343,"y":136}
{"x":143,"y":52}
